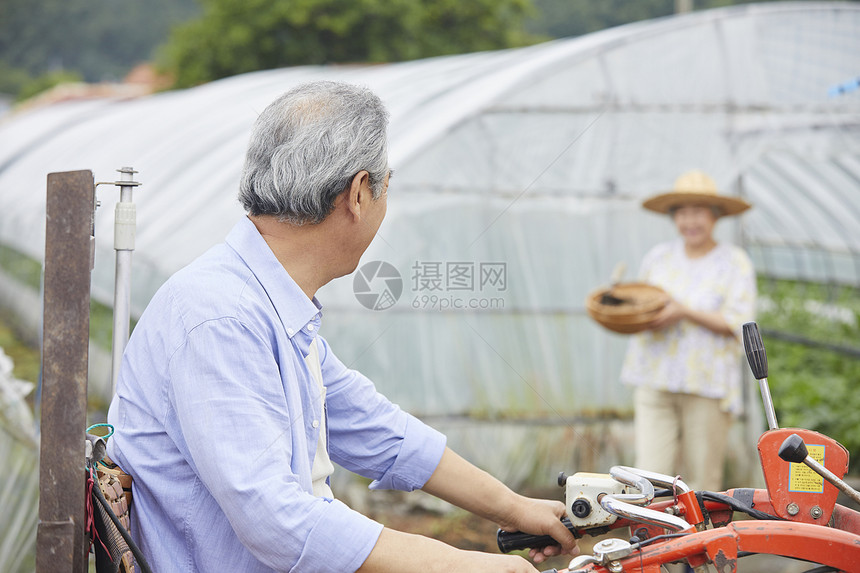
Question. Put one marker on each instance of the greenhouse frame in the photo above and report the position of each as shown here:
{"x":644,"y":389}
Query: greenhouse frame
{"x":522,"y":170}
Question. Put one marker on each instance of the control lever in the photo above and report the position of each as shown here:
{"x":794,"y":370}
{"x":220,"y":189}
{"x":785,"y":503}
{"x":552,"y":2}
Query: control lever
{"x":757,"y":357}
{"x":794,"y":450}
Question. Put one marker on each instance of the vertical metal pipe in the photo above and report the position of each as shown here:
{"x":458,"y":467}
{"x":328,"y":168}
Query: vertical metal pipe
{"x":62,"y":494}
{"x":767,"y":401}
{"x":124,"y":230}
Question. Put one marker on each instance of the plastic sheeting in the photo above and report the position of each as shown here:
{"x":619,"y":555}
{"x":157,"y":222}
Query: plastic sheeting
{"x":19,"y":450}
{"x":518,"y":184}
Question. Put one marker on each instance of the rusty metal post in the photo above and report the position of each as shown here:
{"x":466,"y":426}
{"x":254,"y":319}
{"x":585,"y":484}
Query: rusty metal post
{"x":68,"y":265}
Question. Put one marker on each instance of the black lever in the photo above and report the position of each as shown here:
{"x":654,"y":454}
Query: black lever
{"x":754,"y":348}
{"x":757,"y":357}
{"x":793,"y":449}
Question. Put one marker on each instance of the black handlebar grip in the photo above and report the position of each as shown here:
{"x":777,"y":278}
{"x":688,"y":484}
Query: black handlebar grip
{"x":754,"y":349}
{"x":793,"y":449}
{"x":515,"y":540}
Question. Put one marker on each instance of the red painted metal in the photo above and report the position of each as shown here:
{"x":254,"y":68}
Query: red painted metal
{"x":722,"y":545}
{"x":837,"y":545}
{"x":691,"y":510}
{"x":798,"y":493}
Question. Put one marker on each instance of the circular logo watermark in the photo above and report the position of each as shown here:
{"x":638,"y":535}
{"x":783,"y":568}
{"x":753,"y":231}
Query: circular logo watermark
{"x":377,"y":285}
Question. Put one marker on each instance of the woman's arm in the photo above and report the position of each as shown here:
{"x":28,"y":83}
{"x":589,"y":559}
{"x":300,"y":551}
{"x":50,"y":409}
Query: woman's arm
{"x":675,"y":312}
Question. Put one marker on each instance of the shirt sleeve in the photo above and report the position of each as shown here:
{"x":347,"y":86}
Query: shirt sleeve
{"x":741,"y":292}
{"x":373,"y":437}
{"x":227,"y":395}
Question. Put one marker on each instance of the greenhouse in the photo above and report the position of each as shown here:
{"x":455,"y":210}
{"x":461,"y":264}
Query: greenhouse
{"x":519,"y":180}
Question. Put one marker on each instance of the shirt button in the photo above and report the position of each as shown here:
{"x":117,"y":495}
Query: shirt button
{"x":290,"y":331}
{"x":316,"y":424}
{"x":310,"y":327}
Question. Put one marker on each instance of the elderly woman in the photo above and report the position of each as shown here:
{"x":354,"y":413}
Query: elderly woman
{"x":686,"y":367}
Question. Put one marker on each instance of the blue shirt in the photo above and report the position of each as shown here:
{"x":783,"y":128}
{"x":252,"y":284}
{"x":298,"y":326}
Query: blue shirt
{"x":216,"y":418}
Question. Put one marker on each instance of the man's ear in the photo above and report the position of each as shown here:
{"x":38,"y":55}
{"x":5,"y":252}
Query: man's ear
{"x":354,"y":197}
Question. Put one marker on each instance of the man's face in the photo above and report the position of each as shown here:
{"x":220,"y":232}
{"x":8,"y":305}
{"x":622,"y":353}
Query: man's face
{"x":372,"y":214}
{"x":378,"y":207}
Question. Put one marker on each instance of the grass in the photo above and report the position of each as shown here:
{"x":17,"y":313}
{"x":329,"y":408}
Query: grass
{"x":27,"y":360}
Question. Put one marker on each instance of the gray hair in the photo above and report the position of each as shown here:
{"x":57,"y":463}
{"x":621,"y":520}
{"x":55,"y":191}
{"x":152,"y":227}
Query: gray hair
{"x":308,"y":145}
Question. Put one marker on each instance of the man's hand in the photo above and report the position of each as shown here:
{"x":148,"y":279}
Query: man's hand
{"x":459,"y":482}
{"x":541,"y":517}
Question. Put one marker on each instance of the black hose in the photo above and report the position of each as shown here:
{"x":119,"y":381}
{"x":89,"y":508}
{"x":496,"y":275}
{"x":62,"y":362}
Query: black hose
{"x":738,"y":506}
{"x":138,"y":556}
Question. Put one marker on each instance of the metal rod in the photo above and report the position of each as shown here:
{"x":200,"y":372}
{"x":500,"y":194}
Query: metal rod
{"x":622,"y":504}
{"x":663,"y":480}
{"x":643,"y":514}
{"x":629,"y":476}
{"x":767,"y":401}
{"x":124,"y":230}
{"x":832,"y":478}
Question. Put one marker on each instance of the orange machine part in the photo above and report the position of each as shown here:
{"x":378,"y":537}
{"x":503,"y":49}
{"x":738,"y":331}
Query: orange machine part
{"x":798,"y":493}
{"x":722,"y":545}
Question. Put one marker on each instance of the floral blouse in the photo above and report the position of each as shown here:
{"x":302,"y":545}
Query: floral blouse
{"x":686,"y":357}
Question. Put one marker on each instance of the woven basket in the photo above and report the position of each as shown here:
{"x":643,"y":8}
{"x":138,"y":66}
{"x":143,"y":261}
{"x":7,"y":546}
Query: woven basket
{"x":642,"y":303}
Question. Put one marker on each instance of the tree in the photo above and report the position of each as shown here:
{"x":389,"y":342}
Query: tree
{"x":237,"y":36}
{"x":563,"y":18}
{"x":99,"y":39}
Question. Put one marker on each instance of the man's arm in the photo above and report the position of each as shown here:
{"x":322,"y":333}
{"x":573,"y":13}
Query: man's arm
{"x":464,"y":485}
{"x":398,"y":552}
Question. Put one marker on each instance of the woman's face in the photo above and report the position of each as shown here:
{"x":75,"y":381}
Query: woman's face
{"x":695,"y":224}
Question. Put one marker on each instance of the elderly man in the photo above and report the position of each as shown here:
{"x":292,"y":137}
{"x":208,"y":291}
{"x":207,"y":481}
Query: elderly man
{"x":231,"y":408}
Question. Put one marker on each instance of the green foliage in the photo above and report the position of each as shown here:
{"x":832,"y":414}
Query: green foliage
{"x":812,"y":386}
{"x":817,"y":389}
{"x":11,"y":78}
{"x":99,"y":39}
{"x":237,"y":36}
{"x":103,"y":39}
{"x":45,"y":82}
{"x":21,"y":267}
{"x":28,"y":271}
{"x":563,"y":18}
{"x":26,"y":361}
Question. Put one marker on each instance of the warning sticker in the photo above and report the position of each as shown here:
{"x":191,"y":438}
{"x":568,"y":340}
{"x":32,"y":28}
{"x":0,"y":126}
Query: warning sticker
{"x":802,"y":478}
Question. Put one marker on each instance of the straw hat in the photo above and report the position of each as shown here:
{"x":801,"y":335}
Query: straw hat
{"x":695,"y":187}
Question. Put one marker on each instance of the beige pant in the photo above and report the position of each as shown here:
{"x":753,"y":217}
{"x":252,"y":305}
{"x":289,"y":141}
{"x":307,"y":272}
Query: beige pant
{"x":681,"y":434}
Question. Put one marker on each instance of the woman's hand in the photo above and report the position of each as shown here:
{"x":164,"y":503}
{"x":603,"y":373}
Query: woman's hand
{"x":670,"y":314}
{"x":674,"y":312}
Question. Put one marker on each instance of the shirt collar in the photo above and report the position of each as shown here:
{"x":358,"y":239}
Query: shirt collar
{"x":299,"y":314}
